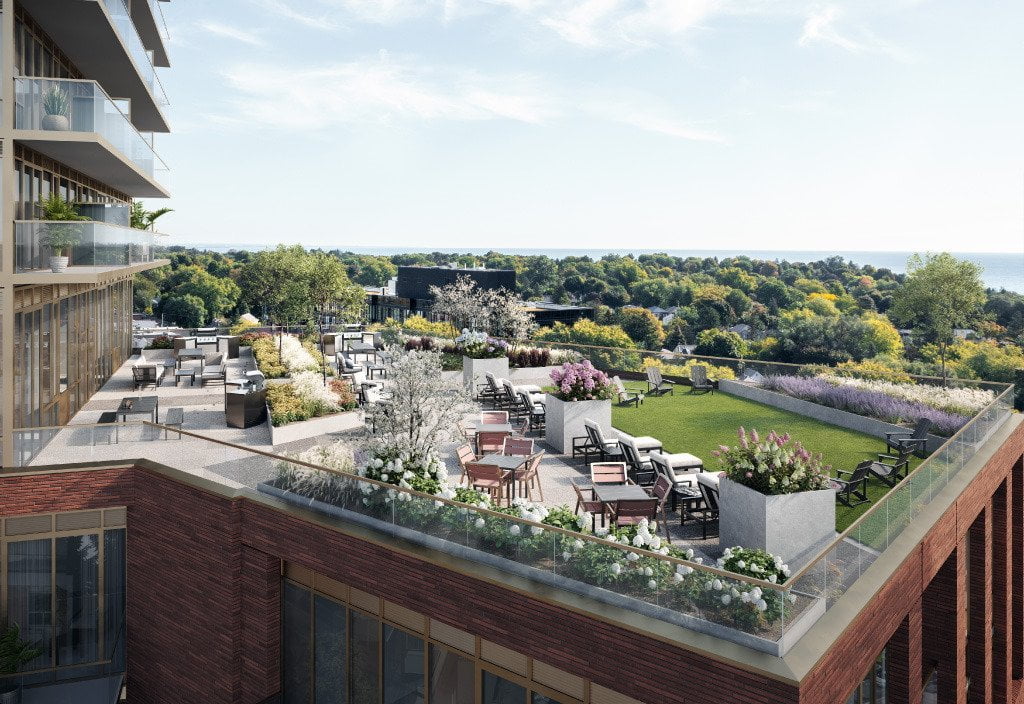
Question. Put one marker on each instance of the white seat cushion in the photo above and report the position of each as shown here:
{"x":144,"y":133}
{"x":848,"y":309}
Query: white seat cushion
{"x":529,"y":388}
{"x":683,"y":460}
{"x":646,"y":442}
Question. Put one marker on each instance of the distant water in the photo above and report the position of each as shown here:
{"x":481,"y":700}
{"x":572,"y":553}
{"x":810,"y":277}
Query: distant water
{"x":1001,"y":270}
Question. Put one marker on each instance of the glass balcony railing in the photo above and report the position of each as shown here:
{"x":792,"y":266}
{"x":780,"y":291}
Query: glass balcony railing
{"x":143,"y":59}
{"x":94,"y":244}
{"x":63,"y":105}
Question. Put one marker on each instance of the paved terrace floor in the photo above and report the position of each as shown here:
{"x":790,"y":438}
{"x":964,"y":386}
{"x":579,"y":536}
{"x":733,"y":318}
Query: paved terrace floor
{"x":204,"y":414}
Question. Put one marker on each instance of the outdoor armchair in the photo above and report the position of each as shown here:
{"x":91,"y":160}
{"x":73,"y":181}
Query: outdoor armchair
{"x":631,"y":512}
{"x":624,"y":396}
{"x":656,"y":385}
{"x":641,"y":469}
{"x":592,"y":506}
{"x":915,"y":440}
{"x":852,"y":487}
{"x":891,"y":469}
{"x":699,"y":379}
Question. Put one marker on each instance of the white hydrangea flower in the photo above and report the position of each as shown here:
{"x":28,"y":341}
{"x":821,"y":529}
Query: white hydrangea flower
{"x":648,"y":572}
{"x":632,"y":557}
{"x":479,"y":523}
{"x":717,"y":584}
{"x":566,"y":555}
{"x":677,"y":577}
{"x":762,"y":605}
{"x":578,"y":544}
{"x":652,"y":584}
{"x":514,"y":529}
{"x":616,"y":568}
{"x":726,"y":598}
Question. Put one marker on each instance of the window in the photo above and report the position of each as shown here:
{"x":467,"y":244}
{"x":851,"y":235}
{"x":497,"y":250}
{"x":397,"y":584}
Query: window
{"x":452,"y":677}
{"x":365,"y":658}
{"x":403,"y":667}
{"x":872,"y":690}
{"x":498,"y":690}
{"x":295,"y":645}
{"x":54,"y":595}
{"x":329,"y":651}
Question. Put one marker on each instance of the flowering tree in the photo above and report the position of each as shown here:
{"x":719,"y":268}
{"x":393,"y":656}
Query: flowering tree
{"x":580,"y":381}
{"x":420,"y":411}
{"x":773,"y":465}
{"x":499,"y":312}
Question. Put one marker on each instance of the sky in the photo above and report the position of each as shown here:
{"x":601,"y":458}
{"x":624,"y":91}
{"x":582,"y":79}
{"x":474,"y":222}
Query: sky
{"x":677,"y":124}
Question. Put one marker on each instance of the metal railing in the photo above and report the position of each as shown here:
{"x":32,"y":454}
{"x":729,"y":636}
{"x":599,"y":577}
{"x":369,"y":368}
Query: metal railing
{"x":71,"y":105}
{"x":96,"y":244}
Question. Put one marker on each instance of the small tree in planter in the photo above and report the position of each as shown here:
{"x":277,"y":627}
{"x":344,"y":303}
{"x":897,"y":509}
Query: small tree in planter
{"x":15,"y":653}
{"x":59,"y":234}
{"x":481,"y":353}
{"x":775,"y":495}
{"x":582,"y":393}
{"x":421,"y":412}
{"x":56,"y":106}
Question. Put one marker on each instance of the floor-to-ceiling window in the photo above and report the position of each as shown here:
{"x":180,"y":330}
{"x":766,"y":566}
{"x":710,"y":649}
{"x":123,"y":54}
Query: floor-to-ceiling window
{"x":333,"y":653}
{"x":872,"y":690}
{"x":65,"y":591}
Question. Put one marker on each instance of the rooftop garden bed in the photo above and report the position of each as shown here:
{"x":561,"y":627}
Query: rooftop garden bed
{"x":280,"y":356}
{"x":306,"y":397}
{"x":901,"y":403}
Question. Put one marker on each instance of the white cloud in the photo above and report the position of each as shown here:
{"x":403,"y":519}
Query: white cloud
{"x":223,"y":30}
{"x":386,"y":90}
{"x":287,"y":10}
{"x":386,"y":11}
{"x":381,"y":90}
{"x":820,"y":27}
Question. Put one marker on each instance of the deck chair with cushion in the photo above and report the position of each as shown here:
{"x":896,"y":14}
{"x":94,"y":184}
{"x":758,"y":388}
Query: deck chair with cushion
{"x":623,"y":396}
{"x":708,"y":513}
{"x":597,"y":445}
{"x":656,"y":385}
{"x":699,"y":379}
{"x":641,"y":469}
{"x":915,"y":440}
{"x":680,"y":468}
{"x":214,"y":371}
{"x":535,"y":412}
{"x":852,"y":487}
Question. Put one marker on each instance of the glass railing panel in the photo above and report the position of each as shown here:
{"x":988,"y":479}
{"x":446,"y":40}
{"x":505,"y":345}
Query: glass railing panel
{"x":62,"y":105}
{"x":143,"y":59}
{"x":96,"y":244}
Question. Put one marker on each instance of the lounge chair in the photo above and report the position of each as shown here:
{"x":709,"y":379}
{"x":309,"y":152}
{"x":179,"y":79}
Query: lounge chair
{"x":512,"y":393}
{"x":708,"y":485}
{"x":852,"y":490}
{"x":625,"y":397}
{"x":596,"y":444}
{"x":641,"y":469}
{"x":488,"y":392}
{"x":346,"y":367}
{"x":656,"y":385}
{"x":535,"y":412}
{"x":699,"y":379}
{"x":680,"y":468}
{"x":215,"y":371}
{"x":915,"y":440}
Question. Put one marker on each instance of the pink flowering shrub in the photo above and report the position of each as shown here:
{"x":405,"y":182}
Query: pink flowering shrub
{"x":773,"y":465}
{"x":580,"y":381}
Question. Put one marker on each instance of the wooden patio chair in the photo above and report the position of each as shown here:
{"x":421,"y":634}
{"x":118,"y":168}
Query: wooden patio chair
{"x":853,"y":489}
{"x":656,"y":385}
{"x":630,"y":512}
{"x":591,"y":505}
{"x":608,"y":473}
{"x":915,"y":440}
{"x":624,"y":397}
{"x":517,"y":446}
{"x":487,"y":478}
{"x":699,"y":379}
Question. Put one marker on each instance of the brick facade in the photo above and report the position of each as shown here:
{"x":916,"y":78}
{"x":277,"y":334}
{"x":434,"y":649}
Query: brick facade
{"x":204,"y":600}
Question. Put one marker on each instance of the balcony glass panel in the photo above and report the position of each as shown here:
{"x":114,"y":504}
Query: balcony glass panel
{"x":62,"y":105}
{"x":142,"y":58}
{"x":96,"y":244}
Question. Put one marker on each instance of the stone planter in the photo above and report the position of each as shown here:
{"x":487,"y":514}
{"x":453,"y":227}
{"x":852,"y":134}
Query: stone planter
{"x":58,"y":264}
{"x":473,"y":370}
{"x":56,"y":123}
{"x":565,"y":420}
{"x":314,"y":427}
{"x":792,"y":526}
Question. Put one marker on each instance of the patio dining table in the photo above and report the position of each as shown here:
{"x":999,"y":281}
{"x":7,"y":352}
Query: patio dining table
{"x":610,"y":493}
{"x":187,"y":355}
{"x":132,"y":405}
{"x":362,"y":348}
{"x":493,"y":428}
{"x":508,"y":464}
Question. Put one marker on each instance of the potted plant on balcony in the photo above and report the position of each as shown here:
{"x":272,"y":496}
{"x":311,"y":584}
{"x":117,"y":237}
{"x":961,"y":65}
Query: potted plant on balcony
{"x":581,"y":393}
{"x":56,"y":106}
{"x":59,"y":234}
{"x":481,"y":353}
{"x":15,"y":653}
{"x":774,"y":495}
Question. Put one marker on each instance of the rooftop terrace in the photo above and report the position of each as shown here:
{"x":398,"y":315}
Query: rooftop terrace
{"x":677,"y":589}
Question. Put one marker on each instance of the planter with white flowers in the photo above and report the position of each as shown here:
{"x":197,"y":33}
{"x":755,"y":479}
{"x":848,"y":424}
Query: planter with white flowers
{"x":775,"y":495}
{"x":481,"y":354}
{"x":581,"y":393}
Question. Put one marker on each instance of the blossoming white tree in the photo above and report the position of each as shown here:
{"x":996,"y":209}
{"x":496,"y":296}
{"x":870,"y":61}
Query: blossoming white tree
{"x":499,"y":312}
{"x":419,"y":413}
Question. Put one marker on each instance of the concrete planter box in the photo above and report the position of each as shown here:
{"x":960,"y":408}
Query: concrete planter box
{"x":473,"y":370}
{"x":793,"y":632}
{"x":314,"y":427}
{"x":792,"y":526}
{"x":832,"y":416}
{"x":565,"y":420}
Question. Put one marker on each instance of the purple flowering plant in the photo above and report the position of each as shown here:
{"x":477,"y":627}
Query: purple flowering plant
{"x":480,"y":345}
{"x":865,"y":402}
{"x":580,"y":381}
{"x":774,"y":464}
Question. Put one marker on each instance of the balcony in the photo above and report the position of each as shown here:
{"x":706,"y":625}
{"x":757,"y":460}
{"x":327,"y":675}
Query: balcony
{"x":149,"y":22}
{"x":102,"y":251}
{"x":76,"y":123}
{"x":100,"y":38}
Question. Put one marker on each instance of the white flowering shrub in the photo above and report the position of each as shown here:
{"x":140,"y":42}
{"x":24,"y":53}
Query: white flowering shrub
{"x":309,"y":386}
{"x":294,"y":354}
{"x":497,"y":311}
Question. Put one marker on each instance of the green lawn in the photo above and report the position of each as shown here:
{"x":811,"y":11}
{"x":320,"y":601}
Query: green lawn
{"x":699,"y":423}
